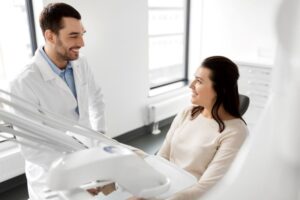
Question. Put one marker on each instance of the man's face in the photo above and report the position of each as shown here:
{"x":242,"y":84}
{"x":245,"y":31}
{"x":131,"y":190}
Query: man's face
{"x":69,"y":39}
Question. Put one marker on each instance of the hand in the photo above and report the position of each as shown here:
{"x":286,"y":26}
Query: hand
{"x":106,"y":189}
{"x":109,"y":188}
{"x":94,"y":191}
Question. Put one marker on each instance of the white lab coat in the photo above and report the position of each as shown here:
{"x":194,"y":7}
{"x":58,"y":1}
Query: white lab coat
{"x":41,"y":86}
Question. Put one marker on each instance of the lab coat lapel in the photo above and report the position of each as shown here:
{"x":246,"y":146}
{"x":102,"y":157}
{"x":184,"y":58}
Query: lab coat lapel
{"x":49,"y":75}
{"x":61,"y":84}
{"x":78,"y":84}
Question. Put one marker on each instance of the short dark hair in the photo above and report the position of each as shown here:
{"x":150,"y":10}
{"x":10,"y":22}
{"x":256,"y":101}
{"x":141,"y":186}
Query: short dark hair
{"x":224,"y":75}
{"x":52,"y":14}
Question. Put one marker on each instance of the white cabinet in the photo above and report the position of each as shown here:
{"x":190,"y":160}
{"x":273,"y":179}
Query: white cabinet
{"x":255,"y":82}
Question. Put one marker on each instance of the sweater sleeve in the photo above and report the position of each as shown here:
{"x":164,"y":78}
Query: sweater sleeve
{"x":229,"y":147}
{"x":165,"y":148}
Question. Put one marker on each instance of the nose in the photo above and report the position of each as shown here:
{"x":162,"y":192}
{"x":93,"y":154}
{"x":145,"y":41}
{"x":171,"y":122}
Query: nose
{"x":81,"y":41}
{"x":192,"y":84}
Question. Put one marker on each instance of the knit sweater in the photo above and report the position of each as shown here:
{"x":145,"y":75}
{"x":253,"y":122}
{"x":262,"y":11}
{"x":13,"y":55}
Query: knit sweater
{"x":198,"y":147}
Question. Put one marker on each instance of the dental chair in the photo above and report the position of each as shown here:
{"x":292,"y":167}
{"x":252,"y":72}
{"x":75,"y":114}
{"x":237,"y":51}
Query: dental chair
{"x":244,"y":104}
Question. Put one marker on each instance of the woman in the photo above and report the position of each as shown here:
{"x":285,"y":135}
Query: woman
{"x":205,"y":138}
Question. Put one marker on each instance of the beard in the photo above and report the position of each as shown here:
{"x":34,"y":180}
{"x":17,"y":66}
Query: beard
{"x":64,"y":53}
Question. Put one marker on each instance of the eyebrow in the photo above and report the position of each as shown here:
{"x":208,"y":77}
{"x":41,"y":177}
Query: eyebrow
{"x":77,"y":33}
{"x":198,"y":77}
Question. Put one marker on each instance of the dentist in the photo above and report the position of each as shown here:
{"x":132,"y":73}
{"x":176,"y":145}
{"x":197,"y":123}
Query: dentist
{"x":60,"y":80}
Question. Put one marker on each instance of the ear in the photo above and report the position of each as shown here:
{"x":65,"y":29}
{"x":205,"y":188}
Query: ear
{"x":50,"y":36}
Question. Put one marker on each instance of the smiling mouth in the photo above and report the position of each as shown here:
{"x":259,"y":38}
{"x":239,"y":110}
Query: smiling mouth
{"x":75,"y":50}
{"x":194,"y":94}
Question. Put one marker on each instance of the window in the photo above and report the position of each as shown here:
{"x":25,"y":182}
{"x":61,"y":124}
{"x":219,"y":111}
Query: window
{"x":168,"y":41}
{"x":17,"y":40}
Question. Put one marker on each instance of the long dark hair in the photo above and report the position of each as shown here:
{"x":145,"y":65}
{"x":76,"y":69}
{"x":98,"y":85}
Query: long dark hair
{"x":224,"y":75}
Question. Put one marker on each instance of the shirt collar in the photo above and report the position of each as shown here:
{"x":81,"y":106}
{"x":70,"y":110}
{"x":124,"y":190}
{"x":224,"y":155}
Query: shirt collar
{"x":54,"y":68}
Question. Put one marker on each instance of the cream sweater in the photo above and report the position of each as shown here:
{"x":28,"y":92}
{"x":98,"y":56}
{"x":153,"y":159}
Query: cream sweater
{"x":198,"y":147}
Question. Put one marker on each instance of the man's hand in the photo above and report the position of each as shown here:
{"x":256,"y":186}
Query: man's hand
{"x":94,"y":191}
{"x":106,"y":189}
{"x":109,"y":188}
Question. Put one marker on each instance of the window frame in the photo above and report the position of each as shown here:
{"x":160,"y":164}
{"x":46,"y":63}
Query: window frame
{"x":185,"y":79}
{"x":32,"y":30}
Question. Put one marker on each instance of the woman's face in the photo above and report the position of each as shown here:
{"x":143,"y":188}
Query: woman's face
{"x":203,"y":93}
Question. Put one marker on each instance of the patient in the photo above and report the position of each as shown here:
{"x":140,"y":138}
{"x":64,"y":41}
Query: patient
{"x":205,"y":138}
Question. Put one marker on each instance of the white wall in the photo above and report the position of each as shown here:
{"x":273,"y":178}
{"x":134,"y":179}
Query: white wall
{"x":241,"y":30}
{"x":244,"y":31}
{"x":195,"y":43}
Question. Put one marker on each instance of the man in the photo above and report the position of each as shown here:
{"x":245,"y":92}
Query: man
{"x":58,"y":79}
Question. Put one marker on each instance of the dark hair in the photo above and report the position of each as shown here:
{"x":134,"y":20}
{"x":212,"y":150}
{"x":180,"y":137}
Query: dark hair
{"x":224,"y":75}
{"x":52,"y":14}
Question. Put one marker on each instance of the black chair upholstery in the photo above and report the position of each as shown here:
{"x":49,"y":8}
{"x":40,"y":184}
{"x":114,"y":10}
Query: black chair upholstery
{"x":244,"y":103}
